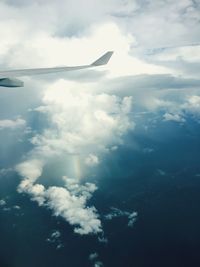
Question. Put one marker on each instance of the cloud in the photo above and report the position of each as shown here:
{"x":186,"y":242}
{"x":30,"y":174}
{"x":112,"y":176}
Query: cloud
{"x":12,"y":124}
{"x":82,"y":122}
{"x":68,"y":202}
{"x":173,"y":117}
{"x":98,"y":264}
{"x":31,"y":169}
{"x":16,"y":207}
{"x":179,"y":21}
{"x":2,"y":202}
{"x":54,"y":238}
{"x":103,"y":239}
{"x":91,"y":160}
{"x":83,"y":125}
{"x":93,"y":256}
{"x":161,"y":172}
{"x":89,"y":116}
{"x":73,"y":208}
{"x":5,"y":207}
{"x":115,"y":213}
{"x":4,"y":171}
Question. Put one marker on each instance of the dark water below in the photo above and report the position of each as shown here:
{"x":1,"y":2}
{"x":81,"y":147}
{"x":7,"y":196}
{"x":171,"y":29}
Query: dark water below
{"x":162,"y":185}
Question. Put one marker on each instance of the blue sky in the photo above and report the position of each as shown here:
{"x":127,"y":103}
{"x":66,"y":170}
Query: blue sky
{"x":76,"y":120}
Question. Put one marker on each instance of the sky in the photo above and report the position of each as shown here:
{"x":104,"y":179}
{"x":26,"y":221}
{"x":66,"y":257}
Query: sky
{"x":73,"y":121}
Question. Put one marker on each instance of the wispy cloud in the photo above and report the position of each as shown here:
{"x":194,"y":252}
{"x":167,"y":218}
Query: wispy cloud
{"x":93,"y":257}
{"x":115,"y":213}
{"x":12,"y":124}
{"x":55,"y":239}
{"x":173,"y":117}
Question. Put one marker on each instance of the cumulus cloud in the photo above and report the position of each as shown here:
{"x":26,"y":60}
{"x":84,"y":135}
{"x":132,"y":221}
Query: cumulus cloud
{"x":31,"y":169}
{"x":81,"y":120}
{"x":12,"y":124}
{"x":73,"y":208}
{"x":68,"y":202}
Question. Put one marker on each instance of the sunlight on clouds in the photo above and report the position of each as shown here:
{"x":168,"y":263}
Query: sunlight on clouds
{"x":83,"y":126}
{"x":54,"y":51}
{"x":31,"y":169}
{"x":82,"y":121}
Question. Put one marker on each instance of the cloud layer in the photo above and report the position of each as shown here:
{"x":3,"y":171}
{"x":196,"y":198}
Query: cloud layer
{"x":88,"y":115}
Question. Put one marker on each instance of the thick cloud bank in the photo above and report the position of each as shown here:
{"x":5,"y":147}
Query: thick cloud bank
{"x":83,"y":125}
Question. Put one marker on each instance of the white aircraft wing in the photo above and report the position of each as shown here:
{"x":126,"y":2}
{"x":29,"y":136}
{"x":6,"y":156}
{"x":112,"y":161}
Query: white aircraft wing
{"x":8,"y":77}
{"x":29,"y":72}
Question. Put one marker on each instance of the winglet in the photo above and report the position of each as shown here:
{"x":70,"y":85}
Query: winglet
{"x":103,"y":60}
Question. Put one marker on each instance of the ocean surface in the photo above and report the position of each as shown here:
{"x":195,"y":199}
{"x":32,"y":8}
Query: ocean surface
{"x":156,"y":172}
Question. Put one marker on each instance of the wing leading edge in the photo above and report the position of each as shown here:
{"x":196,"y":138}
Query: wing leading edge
{"x":8,"y":77}
{"x":103,"y":60}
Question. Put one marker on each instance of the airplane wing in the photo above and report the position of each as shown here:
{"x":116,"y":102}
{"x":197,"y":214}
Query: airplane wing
{"x":7,"y":78}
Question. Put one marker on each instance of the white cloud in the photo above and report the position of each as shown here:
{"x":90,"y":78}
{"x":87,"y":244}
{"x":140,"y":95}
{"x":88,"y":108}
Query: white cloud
{"x":68,"y":202}
{"x":55,"y":238}
{"x":82,"y":125}
{"x":12,"y":124}
{"x":30,"y":169}
{"x":56,"y":234}
{"x":192,"y":105}
{"x":2,"y":202}
{"x":5,"y":206}
{"x":82,"y":120}
{"x":73,"y":209}
{"x":92,"y":160}
{"x":16,"y":207}
{"x":115,"y":213}
{"x":103,"y":240}
{"x":173,"y":117}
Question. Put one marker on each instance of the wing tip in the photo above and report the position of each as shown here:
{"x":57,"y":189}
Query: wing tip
{"x":103,"y":60}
